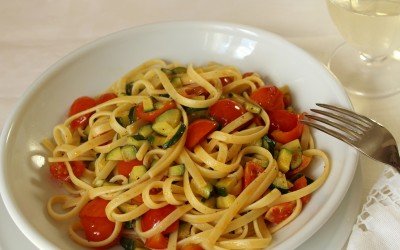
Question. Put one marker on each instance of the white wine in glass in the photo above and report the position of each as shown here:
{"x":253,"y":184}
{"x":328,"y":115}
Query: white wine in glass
{"x":371,"y":29}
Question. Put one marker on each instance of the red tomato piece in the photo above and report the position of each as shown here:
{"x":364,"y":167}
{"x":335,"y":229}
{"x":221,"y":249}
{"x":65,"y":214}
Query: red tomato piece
{"x":154,"y":216}
{"x":81,"y":104}
{"x":158,"y":241}
{"x":152,"y":115}
{"x":106,"y":97}
{"x":282,"y":120}
{"x":192,"y":247}
{"x":94,"y":221}
{"x":194,"y":91}
{"x":251,"y":170}
{"x":299,"y":184}
{"x":226,"y":80}
{"x":226,"y":110}
{"x":305,"y":162}
{"x":278,"y":213}
{"x":94,"y":208}
{"x":125,"y":167}
{"x":287,"y":136}
{"x":60,"y":172}
{"x":269,"y":98}
{"x":247,"y":74}
{"x":198,"y":130}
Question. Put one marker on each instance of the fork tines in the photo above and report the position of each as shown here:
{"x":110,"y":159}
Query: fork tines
{"x":348,"y":126}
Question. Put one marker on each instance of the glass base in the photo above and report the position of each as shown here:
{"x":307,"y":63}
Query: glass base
{"x":375,"y":79}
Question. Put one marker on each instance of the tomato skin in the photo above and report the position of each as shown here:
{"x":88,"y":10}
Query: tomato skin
{"x":106,"y":97}
{"x":158,"y":241}
{"x":60,"y":172}
{"x":152,"y":115}
{"x":198,"y":130}
{"x":278,"y":213}
{"x":282,"y":120}
{"x":299,"y":184}
{"x":226,"y":110}
{"x":226,"y":80}
{"x":287,"y":136}
{"x":94,"y":221}
{"x":154,"y":216}
{"x":269,"y":98}
{"x":125,"y":167}
{"x":194,"y":91}
{"x":81,"y":104}
{"x":251,"y":171}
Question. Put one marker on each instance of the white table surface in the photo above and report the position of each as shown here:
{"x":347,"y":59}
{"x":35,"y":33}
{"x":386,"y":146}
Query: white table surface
{"x":34,"y":34}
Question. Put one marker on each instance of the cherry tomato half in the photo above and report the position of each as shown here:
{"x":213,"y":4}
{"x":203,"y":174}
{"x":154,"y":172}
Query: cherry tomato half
{"x":299,"y":184}
{"x":282,"y":120}
{"x":154,"y":216}
{"x":269,"y":98}
{"x":81,"y":104}
{"x":158,"y":241}
{"x":287,"y":136}
{"x":106,"y":97}
{"x":198,"y":130}
{"x":94,"y":221}
{"x":60,"y":172}
{"x":278,"y":213}
{"x":226,"y":110}
{"x":251,"y":170}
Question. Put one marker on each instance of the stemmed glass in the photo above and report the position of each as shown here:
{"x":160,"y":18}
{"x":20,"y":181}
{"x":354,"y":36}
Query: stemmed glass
{"x":364,"y":63}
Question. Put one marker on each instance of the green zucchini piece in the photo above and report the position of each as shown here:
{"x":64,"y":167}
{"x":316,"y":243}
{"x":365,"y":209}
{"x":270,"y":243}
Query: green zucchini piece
{"x":148,"y":104}
{"x":176,"y":170}
{"x":114,"y":155}
{"x":174,"y":136}
{"x":128,"y":88}
{"x":284,"y":159}
{"x":156,"y":140}
{"x":171,"y":116}
{"x":205,"y":191}
{"x":184,"y":230}
{"x":127,"y":243}
{"x":225,"y":185}
{"x":292,"y":145}
{"x":249,"y":106}
{"x":179,"y":70}
{"x":269,"y":144}
{"x":131,"y":115}
{"x":163,"y":128}
{"x":128,"y":152}
{"x":137,"y":172}
{"x":281,"y":183}
{"x":134,"y":141}
{"x":225,"y":201}
{"x":176,"y":82}
{"x":296,"y":159}
{"x":167,"y":71}
{"x":145,"y":131}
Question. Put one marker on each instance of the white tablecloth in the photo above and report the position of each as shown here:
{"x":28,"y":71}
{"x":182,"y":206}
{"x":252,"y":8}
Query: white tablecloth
{"x":34,"y":34}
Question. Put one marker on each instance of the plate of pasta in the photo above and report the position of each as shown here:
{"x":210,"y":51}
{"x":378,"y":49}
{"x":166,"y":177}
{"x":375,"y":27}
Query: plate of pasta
{"x":177,"y":135}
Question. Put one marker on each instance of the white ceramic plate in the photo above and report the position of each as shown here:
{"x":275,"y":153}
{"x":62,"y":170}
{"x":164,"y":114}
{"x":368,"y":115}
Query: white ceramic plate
{"x":24,"y":181}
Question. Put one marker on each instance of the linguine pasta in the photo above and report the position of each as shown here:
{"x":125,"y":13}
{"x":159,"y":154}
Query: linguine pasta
{"x":241,"y":224}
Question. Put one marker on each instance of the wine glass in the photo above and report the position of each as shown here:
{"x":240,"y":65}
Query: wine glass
{"x":364,"y":63}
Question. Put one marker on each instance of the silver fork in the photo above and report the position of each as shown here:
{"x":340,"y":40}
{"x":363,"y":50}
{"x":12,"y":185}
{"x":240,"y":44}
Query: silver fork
{"x":366,"y":135}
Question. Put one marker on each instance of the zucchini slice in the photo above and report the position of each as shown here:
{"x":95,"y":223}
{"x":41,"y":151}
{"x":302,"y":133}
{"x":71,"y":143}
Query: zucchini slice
{"x":174,"y":136}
